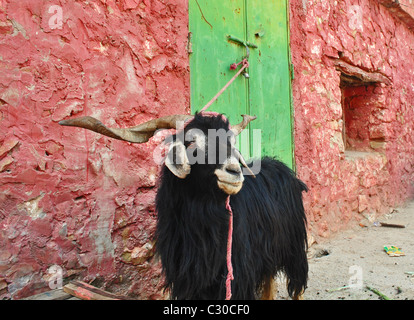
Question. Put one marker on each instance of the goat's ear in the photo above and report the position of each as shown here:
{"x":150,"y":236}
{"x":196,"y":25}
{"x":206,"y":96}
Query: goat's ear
{"x":177,"y":160}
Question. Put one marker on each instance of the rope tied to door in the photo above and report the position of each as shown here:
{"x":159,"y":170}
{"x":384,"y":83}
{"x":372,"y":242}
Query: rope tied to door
{"x":234,"y":66}
{"x":230,"y":277}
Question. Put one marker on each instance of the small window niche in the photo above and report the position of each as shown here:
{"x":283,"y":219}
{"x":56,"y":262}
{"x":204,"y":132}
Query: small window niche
{"x":365,"y":127}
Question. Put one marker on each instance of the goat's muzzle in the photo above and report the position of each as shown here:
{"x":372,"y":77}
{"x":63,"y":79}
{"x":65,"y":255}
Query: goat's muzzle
{"x":230,"y":177}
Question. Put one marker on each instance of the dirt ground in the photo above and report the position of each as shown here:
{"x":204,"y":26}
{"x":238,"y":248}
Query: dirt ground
{"x":344,"y":266}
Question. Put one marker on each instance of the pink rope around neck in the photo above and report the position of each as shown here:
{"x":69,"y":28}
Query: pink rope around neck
{"x":229,"y":245}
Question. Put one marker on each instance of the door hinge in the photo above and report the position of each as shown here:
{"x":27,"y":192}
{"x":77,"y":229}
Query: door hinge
{"x":189,"y":44}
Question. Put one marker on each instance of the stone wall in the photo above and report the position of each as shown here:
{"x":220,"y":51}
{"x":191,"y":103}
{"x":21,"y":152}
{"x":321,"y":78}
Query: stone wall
{"x":353,"y":143}
{"x":68,"y":197}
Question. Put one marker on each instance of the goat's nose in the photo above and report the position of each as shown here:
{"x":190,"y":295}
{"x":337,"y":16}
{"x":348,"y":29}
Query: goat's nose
{"x":233,"y":168}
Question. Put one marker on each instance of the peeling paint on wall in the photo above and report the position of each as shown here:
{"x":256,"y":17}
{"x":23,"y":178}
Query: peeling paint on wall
{"x":72,"y":198}
{"x":373,"y":171}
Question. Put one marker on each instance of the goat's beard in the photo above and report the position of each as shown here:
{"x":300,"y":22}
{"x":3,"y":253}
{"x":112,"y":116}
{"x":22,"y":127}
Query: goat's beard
{"x":230,"y":188}
{"x":228,"y":183}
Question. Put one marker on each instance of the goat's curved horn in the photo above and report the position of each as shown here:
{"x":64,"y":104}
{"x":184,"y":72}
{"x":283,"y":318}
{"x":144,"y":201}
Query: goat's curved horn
{"x":138,"y":134}
{"x":238,"y":128}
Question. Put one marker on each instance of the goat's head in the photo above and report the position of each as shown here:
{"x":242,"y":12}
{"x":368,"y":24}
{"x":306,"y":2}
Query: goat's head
{"x":203,"y":149}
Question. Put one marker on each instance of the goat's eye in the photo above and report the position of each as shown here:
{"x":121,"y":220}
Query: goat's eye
{"x":192,"y":145}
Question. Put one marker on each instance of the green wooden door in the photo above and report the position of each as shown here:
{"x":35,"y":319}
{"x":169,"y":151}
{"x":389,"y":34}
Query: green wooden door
{"x":267,"y":93}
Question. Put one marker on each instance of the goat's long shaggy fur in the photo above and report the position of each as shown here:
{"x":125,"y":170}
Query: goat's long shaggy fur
{"x":269,"y":230}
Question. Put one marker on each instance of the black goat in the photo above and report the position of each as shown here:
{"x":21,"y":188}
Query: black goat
{"x":269,"y":234}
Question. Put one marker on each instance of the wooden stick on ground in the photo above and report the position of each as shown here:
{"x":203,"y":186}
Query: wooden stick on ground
{"x":381,"y":295}
{"x":85,"y":291}
{"x":392,"y":225}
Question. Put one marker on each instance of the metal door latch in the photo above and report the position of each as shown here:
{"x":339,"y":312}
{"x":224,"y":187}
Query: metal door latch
{"x":247,"y":45}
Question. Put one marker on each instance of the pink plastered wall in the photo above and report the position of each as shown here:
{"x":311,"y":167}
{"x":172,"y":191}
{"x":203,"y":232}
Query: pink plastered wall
{"x":71,"y":198}
{"x":348,"y":186}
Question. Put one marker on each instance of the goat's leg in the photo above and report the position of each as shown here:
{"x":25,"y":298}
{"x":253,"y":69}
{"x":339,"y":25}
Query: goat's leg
{"x":299,"y":296}
{"x":269,"y":289}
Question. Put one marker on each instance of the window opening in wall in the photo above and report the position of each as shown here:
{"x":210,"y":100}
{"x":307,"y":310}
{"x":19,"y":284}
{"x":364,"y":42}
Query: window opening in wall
{"x":365,"y":128}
